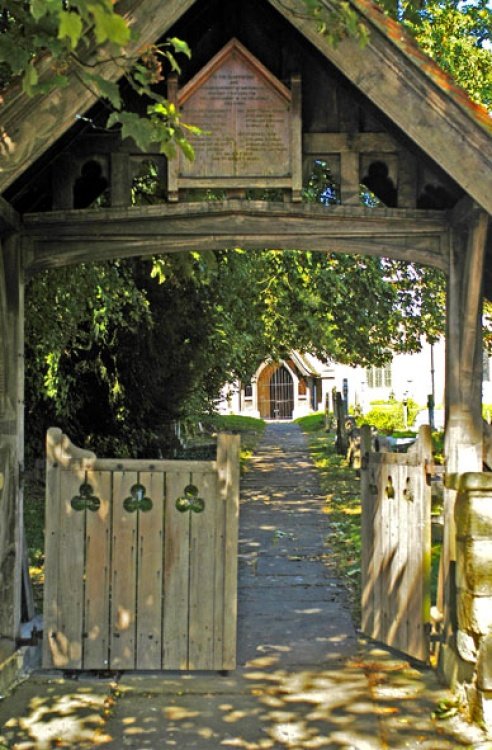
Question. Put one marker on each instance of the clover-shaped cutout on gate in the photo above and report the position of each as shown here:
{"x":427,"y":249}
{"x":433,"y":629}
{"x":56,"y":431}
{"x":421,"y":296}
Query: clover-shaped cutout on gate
{"x":86,"y":500}
{"x":190,"y":500}
{"x":408,"y":491}
{"x":390,"y":488}
{"x":137,"y":500}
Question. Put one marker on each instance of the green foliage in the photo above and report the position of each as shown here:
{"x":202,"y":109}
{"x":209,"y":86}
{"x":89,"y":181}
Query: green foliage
{"x":68,"y":315}
{"x":235,"y":423}
{"x":337,"y":21}
{"x":389,"y":417}
{"x":348,"y":308}
{"x":62,"y":35}
{"x":150,"y":343}
{"x":454,"y":35}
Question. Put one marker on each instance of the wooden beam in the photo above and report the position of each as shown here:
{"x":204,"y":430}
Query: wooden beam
{"x":462,"y":213}
{"x":472,"y":302}
{"x":9,"y":218}
{"x":335,"y":143}
{"x":67,"y":237}
{"x":11,"y":435}
{"x":437,"y":118}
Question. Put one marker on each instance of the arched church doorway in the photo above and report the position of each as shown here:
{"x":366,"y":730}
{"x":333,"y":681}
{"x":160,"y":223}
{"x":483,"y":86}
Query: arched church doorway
{"x":281,"y":394}
{"x":276,"y":392}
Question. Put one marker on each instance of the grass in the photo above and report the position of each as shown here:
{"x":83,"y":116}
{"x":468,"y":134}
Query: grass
{"x":250,"y":430}
{"x":312,"y":422}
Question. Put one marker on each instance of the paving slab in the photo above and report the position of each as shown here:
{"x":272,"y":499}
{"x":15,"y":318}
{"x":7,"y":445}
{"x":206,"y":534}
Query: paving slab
{"x":305,"y":679}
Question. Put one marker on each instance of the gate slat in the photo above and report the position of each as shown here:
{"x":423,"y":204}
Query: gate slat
{"x":394,"y":592}
{"x":368,"y":510}
{"x":379,"y":561}
{"x":71,"y":573}
{"x":202,"y":575}
{"x":420,"y":539}
{"x":123,"y":580}
{"x":50,"y":605}
{"x":176,"y":575}
{"x":149,"y":589}
{"x":97,"y":567}
{"x":219,"y":579}
{"x":413,"y":591}
{"x":402,"y":577}
{"x":228,"y":467}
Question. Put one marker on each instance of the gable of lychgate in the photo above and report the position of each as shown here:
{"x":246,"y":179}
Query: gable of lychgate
{"x":250,"y":126}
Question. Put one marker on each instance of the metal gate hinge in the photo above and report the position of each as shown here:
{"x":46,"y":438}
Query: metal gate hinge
{"x":35,"y":638}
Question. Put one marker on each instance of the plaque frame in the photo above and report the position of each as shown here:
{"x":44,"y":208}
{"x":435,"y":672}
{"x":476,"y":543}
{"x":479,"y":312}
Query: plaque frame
{"x":291,"y":180}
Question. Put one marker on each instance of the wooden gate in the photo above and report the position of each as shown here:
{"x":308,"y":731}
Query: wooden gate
{"x":396,"y":546}
{"x":141,"y":560}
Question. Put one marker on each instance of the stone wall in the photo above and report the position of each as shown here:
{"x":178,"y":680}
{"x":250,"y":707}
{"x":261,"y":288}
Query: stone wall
{"x":473,"y":514}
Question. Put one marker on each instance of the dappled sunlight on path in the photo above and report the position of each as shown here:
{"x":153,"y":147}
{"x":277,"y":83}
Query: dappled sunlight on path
{"x":304,"y":679}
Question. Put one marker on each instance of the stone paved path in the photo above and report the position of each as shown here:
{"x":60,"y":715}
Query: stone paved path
{"x":304,"y":679}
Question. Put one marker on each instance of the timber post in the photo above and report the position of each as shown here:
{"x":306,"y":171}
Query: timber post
{"x":464,"y":428}
{"x":11,"y":439}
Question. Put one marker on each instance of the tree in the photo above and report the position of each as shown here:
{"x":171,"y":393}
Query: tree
{"x":457,"y":36}
{"x":85,"y":308}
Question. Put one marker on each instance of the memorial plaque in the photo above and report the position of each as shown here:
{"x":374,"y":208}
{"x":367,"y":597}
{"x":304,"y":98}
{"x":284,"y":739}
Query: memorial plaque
{"x":249,"y":125}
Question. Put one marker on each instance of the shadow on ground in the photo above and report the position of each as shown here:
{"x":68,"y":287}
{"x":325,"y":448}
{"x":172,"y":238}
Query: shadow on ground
{"x":304,"y":679}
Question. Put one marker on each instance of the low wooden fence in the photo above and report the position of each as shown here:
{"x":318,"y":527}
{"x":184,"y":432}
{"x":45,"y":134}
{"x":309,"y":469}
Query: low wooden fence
{"x":141,"y":560}
{"x":396,"y":545}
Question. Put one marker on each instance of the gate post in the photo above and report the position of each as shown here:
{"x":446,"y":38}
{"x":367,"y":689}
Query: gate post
{"x":11,"y":441}
{"x":474,"y":590}
{"x":367,"y":531}
{"x":463,"y":445}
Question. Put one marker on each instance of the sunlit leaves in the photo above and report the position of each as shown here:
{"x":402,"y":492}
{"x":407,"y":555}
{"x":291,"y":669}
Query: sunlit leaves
{"x":337,"y":21}
{"x":70,"y":25}
{"x":85,"y":306}
{"x":109,"y":26}
{"x":30,"y":78}
{"x":108,"y":89}
{"x":455,"y":36}
{"x":63,"y":34}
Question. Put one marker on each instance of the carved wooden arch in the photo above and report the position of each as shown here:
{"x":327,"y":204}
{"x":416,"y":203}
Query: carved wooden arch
{"x":65,"y":238}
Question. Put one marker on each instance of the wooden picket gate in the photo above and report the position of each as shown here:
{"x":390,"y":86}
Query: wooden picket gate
{"x":396,"y":545}
{"x":141,"y":560}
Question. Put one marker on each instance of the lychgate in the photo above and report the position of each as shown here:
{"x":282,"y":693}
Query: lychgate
{"x":383,"y":117}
